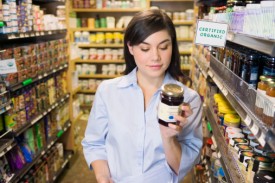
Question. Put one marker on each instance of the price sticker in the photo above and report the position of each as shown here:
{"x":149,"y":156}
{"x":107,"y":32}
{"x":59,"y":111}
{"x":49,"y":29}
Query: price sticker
{"x":44,"y":113}
{"x":43,"y":152}
{"x":1,"y":154}
{"x":262,"y":139}
{"x":225,"y":91}
{"x":247,"y":120}
{"x":206,"y":167}
{"x":9,"y":148}
{"x":255,"y":129}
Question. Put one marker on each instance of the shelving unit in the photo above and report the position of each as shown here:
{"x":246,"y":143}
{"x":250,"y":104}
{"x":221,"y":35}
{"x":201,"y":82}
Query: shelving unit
{"x":266,"y":46}
{"x":242,"y":97}
{"x":229,"y":164}
{"x":9,"y":140}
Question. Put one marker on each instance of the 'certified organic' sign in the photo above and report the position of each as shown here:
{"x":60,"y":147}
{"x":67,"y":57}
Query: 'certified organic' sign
{"x":7,"y":66}
{"x":211,"y":33}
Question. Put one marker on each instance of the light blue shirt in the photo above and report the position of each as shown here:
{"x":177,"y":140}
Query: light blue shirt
{"x":120,"y":132}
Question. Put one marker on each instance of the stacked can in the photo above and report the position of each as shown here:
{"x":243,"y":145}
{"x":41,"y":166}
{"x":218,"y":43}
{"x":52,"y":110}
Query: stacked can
{"x":24,"y":15}
{"x":10,"y":17}
{"x":38,"y":24}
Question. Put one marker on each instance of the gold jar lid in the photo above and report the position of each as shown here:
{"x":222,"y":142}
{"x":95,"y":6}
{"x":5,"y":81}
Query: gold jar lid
{"x":172,"y":90}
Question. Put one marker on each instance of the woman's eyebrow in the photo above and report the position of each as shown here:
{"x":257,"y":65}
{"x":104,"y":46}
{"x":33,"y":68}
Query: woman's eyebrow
{"x":164,"y":41}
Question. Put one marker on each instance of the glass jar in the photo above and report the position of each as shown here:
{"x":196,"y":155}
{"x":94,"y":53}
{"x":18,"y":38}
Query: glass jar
{"x":231,"y":120}
{"x":171,"y":98}
{"x":254,"y":143}
{"x":269,"y":67}
{"x":244,"y":156}
{"x":269,"y":107}
{"x":223,"y":109}
{"x":256,"y":164}
{"x":250,"y":70}
{"x":259,"y":149}
{"x":246,"y":132}
{"x":261,"y":90}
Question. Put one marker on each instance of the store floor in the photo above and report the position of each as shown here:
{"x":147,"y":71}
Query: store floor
{"x":78,"y":172}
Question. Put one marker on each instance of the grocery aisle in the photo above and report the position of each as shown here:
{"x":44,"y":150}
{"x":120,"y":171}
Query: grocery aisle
{"x":78,"y":171}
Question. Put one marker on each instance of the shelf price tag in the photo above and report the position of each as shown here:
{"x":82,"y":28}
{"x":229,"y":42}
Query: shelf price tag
{"x":262,"y":139}
{"x":255,"y":129}
{"x":247,"y":120}
{"x":225,"y":91}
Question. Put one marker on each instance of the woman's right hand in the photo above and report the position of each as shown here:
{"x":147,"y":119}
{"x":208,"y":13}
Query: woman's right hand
{"x":104,"y":179}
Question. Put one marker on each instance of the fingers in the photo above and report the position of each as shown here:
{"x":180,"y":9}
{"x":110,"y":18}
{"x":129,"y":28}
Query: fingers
{"x":187,"y":110}
{"x":175,"y":127}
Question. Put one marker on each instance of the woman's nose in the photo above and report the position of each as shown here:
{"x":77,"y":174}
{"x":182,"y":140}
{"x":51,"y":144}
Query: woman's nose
{"x":155,"y":55}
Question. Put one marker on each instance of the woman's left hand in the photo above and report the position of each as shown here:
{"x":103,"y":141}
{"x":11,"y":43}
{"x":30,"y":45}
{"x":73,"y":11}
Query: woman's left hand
{"x":172,"y":130}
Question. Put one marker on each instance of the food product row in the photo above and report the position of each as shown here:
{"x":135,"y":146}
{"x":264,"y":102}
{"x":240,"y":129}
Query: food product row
{"x":30,"y":101}
{"x":101,"y":54}
{"x":106,"y":69}
{"x":35,"y":59}
{"x":24,"y":16}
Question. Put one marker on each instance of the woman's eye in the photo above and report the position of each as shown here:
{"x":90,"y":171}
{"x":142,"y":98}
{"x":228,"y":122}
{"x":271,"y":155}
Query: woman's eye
{"x":144,"y":49}
{"x":164,"y":48}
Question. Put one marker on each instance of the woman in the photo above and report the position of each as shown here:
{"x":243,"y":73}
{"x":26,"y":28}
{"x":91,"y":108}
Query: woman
{"x":123,"y":141}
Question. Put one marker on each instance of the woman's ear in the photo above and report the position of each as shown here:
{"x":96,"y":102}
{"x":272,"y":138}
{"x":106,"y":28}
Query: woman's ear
{"x":130,"y":48}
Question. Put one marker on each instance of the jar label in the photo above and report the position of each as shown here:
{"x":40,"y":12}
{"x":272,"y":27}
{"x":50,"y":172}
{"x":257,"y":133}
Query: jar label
{"x":269,"y":106}
{"x":166,"y":113}
{"x":260,"y":99}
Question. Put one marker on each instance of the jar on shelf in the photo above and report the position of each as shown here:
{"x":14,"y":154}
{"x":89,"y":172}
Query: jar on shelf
{"x":231,"y":120}
{"x":269,"y":67}
{"x":250,"y":70}
{"x":259,"y":149}
{"x":231,"y":129}
{"x":256,"y":164}
{"x":254,"y":142}
{"x":264,"y":176}
{"x":244,"y":157}
{"x":232,"y":135}
{"x":269,"y":106}
{"x":261,"y":91}
{"x":222,"y":110}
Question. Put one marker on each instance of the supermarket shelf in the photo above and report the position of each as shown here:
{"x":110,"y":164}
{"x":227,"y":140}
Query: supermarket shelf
{"x":242,"y":97}
{"x":75,"y":91}
{"x":6,"y":142}
{"x":97,"y":29}
{"x":18,"y":86}
{"x":78,"y":117}
{"x":203,"y":66}
{"x":100,"y":45}
{"x":67,"y":157}
{"x":230,"y":166}
{"x":41,"y":115}
{"x":185,"y":52}
{"x":18,"y":175}
{"x":185,"y":39}
{"x":111,"y":10}
{"x":98,"y":61}
{"x":30,"y":34}
{"x":263,"y":45}
{"x":97,"y":76}
{"x":87,"y":91}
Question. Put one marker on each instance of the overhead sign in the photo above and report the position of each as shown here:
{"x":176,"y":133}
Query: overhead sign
{"x":211,"y":33}
{"x":7,"y":66}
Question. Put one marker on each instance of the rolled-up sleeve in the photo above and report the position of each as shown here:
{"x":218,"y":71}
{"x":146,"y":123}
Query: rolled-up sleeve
{"x":191,"y":137}
{"x":96,"y":130}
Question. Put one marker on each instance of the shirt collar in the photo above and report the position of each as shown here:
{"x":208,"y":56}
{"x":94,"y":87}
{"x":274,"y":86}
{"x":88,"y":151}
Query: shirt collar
{"x":131,"y":79}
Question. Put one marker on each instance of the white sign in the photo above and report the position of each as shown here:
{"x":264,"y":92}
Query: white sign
{"x":7,"y":66}
{"x":211,"y":33}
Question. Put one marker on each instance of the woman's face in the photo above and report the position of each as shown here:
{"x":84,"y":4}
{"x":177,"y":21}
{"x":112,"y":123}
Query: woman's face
{"x":153,"y":55}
